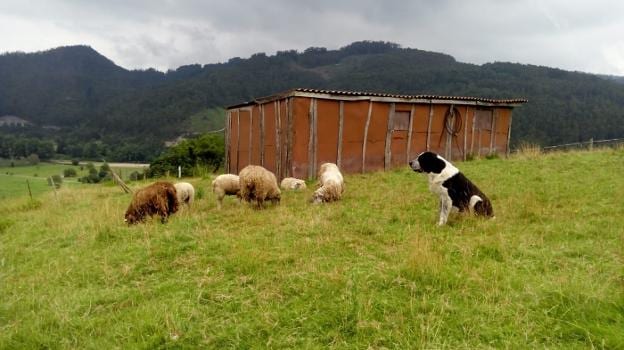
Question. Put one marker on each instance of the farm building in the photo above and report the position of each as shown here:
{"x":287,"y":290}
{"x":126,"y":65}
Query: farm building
{"x":293,"y":132}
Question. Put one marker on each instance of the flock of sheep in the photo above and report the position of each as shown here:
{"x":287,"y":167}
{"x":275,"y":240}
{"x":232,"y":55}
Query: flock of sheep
{"x":254,"y":184}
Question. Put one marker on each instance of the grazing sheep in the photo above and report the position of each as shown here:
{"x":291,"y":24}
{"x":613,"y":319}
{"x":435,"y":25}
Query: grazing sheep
{"x":291,"y":183}
{"x":226,"y":184}
{"x":186,"y":193}
{"x":159,"y":198}
{"x":259,"y":184}
{"x":331,"y":184}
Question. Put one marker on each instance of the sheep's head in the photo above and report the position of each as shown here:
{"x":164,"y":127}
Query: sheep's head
{"x":131,"y":218}
{"x":318,"y":196}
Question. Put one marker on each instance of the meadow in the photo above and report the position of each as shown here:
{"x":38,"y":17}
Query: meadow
{"x":370,"y":271}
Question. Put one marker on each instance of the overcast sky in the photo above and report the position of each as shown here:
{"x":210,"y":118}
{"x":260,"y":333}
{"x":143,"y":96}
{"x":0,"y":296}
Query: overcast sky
{"x":569,"y":34}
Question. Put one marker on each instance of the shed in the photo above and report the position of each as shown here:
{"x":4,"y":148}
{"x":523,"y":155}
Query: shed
{"x":293,"y":132}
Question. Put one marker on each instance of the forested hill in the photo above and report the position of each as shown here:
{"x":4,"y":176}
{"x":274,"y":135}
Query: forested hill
{"x":94,"y":100}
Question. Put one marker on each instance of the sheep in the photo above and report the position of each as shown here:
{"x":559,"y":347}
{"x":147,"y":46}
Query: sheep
{"x":225,"y":184}
{"x":159,"y":198}
{"x":331,"y":184}
{"x":259,"y":184}
{"x":291,"y":183}
{"x":185,"y":192}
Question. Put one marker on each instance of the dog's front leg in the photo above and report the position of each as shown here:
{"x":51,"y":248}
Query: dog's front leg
{"x":445,"y":209}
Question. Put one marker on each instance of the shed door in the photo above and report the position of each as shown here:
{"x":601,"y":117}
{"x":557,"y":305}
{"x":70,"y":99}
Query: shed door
{"x":400,"y":126}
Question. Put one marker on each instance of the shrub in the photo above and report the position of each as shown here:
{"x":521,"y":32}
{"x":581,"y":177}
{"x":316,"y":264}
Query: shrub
{"x":70,"y":172}
{"x":75,"y":162}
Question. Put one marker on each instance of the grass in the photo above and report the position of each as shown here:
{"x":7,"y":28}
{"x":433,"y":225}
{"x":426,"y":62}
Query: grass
{"x":13,"y":179}
{"x":371,"y":271}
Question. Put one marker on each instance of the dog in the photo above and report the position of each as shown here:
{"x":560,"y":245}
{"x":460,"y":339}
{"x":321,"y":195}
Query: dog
{"x":455,"y":190}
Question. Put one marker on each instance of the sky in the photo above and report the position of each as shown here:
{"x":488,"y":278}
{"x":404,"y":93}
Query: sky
{"x":585,"y":36}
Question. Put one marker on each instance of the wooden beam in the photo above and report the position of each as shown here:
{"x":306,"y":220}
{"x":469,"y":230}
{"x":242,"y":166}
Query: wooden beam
{"x":474,"y":125}
{"x":340,"y":132}
{"x":228,"y":126}
{"x":508,"y":151}
{"x":311,"y":174}
{"x":368,"y":119}
{"x":409,"y":134}
{"x":278,"y":147}
{"x":289,"y":137}
{"x":238,"y":135}
{"x":315,"y":147}
{"x":388,"y":150}
{"x":429,"y":126}
{"x":250,"y":136}
{"x":465,"y":133}
{"x":262,"y":135}
{"x":493,"y":131}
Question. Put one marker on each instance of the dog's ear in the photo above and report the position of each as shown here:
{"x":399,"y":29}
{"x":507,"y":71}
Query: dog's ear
{"x":431,"y":162}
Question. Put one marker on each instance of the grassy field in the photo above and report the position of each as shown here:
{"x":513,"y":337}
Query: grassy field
{"x":371,"y":271}
{"x":13,"y":179}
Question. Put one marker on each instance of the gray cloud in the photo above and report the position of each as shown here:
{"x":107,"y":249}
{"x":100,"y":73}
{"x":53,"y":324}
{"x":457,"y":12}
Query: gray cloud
{"x":573,"y":35}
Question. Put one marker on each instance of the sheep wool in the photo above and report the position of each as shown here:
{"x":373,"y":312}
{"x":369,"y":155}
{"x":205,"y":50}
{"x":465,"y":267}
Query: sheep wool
{"x":331,"y":184}
{"x":291,"y":183}
{"x":225,"y":185}
{"x":258,"y":184}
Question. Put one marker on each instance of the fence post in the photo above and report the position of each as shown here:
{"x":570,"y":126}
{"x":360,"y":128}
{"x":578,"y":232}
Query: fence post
{"x":29,"y":191}
{"x":591,"y":144}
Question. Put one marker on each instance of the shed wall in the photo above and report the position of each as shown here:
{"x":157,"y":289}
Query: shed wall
{"x":293,"y":136}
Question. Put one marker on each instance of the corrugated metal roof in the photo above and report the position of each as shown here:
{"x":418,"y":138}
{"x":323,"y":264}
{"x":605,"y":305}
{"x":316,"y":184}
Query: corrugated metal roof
{"x":407,"y":98}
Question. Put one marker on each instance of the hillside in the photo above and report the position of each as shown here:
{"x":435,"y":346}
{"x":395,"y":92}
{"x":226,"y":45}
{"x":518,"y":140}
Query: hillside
{"x":95,"y":101}
{"x":370,"y":271}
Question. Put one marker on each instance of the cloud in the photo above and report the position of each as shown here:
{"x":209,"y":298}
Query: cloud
{"x":573,"y":35}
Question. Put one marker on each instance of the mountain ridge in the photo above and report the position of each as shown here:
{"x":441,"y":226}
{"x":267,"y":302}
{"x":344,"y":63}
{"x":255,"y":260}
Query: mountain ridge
{"x":94,"y":100}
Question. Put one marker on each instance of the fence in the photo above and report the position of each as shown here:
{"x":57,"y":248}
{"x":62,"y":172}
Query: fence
{"x":589,"y":145}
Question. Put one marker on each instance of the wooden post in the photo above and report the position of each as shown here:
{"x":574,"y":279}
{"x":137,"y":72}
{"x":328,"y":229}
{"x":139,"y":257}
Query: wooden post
{"x":238,"y":135}
{"x":368,"y":118}
{"x":262,"y":135}
{"x":508,"y":151}
{"x":409,"y":135}
{"x":120,"y":182}
{"x":228,"y":119}
{"x":250,"y":135}
{"x":278,"y":146}
{"x":465,"y":133}
{"x":289,"y":137}
{"x":340,"y":132}
{"x":311,"y":123}
{"x":448,"y":130}
{"x":29,"y":191}
{"x":493,"y":131}
{"x":388,"y":149}
{"x":429,"y":125}
{"x":54,"y":187}
{"x":474,"y":125}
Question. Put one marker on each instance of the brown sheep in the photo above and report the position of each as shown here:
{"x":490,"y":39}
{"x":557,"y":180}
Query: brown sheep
{"x":259,"y":184}
{"x":159,"y":198}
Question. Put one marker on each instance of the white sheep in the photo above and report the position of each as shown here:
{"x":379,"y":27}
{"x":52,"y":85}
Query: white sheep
{"x":185,"y":192}
{"x":291,"y":183}
{"x":226,"y":184}
{"x":259,"y":184}
{"x":331,"y":184}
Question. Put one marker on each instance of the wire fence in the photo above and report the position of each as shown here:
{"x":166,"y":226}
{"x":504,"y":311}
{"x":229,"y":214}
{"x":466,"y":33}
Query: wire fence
{"x":588,"y":145}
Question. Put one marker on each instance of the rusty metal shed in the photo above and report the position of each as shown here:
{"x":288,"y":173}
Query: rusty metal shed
{"x":293,"y":132}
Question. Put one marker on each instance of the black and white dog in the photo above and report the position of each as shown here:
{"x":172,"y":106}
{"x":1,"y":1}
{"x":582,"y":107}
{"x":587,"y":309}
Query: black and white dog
{"x":454,"y":189}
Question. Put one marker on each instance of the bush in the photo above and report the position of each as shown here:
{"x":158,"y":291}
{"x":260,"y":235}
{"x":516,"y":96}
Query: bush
{"x":75,"y":162}
{"x":70,"y":172}
{"x":205,"y":151}
{"x":33,"y":159}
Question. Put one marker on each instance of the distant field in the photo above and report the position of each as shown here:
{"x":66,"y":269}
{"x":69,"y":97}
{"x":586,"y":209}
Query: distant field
{"x":13,"y":179}
{"x":371,"y":271}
